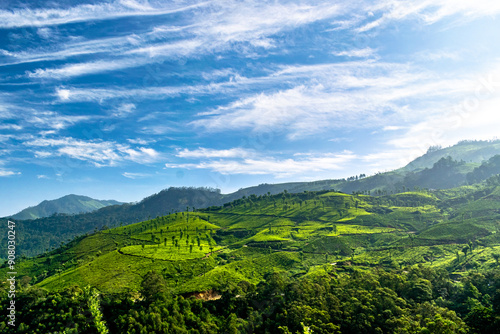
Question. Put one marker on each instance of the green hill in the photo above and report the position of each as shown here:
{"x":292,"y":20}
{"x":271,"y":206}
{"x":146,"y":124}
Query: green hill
{"x":472,"y":151}
{"x":46,"y":233}
{"x":40,"y":235}
{"x":205,"y":249}
{"x":70,"y":204}
{"x":325,"y":260}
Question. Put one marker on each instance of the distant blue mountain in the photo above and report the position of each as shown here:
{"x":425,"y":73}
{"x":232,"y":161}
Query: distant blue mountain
{"x":69,"y":204}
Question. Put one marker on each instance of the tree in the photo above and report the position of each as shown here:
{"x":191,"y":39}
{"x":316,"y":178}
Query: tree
{"x":153,"y":285}
{"x":496,"y":256}
{"x":465,"y":250}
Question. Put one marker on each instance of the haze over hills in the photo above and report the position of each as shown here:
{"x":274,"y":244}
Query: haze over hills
{"x":470,"y":151}
{"x":69,"y":204}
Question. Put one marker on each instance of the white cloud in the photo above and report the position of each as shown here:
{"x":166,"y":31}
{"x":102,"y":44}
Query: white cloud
{"x":111,"y":10}
{"x":474,"y":116}
{"x":42,"y":177}
{"x":438,"y":55}
{"x":158,"y":129}
{"x":178,"y":49}
{"x":345,"y":95}
{"x":428,"y":12}
{"x":358,"y":53}
{"x":10,"y":127}
{"x":213,"y":30}
{"x":211,"y":153}
{"x":75,"y":70}
{"x":392,"y":128}
{"x":5,"y":173}
{"x":45,"y":33}
{"x":99,"y":153}
{"x":135,"y":176}
{"x":124,"y":110}
{"x":101,"y":94}
{"x":214,"y":27}
{"x":63,"y":94}
{"x":479,"y":123}
{"x":389,"y":159}
{"x":140,"y":141}
{"x":53,"y":120}
{"x":265,"y":165}
{"x":4,"y":138}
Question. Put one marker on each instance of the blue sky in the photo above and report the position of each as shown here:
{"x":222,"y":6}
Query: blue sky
{"x":120,"y":99}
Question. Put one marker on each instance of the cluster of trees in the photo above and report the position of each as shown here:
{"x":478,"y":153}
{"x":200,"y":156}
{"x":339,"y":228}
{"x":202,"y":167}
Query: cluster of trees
{"x":356,"y":177}
{"x":413,"y":300}
{"x":486,"y":170}
{"x":40,"y":235}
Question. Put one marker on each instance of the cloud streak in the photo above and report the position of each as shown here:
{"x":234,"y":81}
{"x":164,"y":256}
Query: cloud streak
{"x":26,"y":17}
{"x":99,"y":153}
{"x":232,"y":163}
{"x":345,"y":95}
{"x":209,"y":31}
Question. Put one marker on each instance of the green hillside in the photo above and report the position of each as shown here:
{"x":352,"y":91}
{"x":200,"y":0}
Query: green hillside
{"x":40,"y":235}
{"x":471,"y":151}
{"x":420,"y":249}
{"x":206,"y":249}
{"x":70,"y":204}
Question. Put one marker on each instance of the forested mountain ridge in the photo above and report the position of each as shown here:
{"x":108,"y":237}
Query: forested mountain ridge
{"x":37,"y":236}
{"x":470,"y":151}
{"x":323,"y":261}
{"x":69,"y":204}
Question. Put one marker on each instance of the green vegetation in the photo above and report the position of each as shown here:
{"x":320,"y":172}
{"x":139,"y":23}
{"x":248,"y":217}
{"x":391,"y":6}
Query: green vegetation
{"x":412,"y":300}
{"x":70,"y":204}
{"x":434,"y":170}
{"x":415,"y":261}
{"x":206,"y":249}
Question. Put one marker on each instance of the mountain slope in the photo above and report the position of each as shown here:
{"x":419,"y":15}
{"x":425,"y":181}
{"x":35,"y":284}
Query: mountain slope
{"x":467,"y":150}
{"x":299,"y":234}
{"x":69,"y":204}
{"x":447,"y":172}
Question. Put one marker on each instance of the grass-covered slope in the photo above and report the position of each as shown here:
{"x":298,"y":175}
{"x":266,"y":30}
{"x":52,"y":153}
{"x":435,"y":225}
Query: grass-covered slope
{"x":438,"y":169}
{"x":475,"y":151}
{"x":294,"y":233}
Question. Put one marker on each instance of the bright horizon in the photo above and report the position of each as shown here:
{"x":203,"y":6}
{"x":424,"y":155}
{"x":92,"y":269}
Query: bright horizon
{"x":121,"y":99}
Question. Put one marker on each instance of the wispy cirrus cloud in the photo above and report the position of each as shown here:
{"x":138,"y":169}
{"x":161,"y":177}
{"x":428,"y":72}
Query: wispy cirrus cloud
{"x":212,"y":27}
{"x":53,"y":120}
{"x":99,"y":153}
{"x":124,"y":109}
{"x":428,"y":12}
{"x":340,"y":95}
{"x":24,"y":118}
{"x":357,"y":53}
{"x":79,"y":69}
{"x":25,"y":17}
{"x":135,"y":176}
{"x":6,"y":172}
{"x":208,"y":31}
{"x":213,"y":153}
{"x":236,"y":161}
